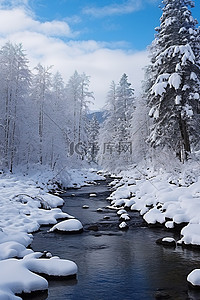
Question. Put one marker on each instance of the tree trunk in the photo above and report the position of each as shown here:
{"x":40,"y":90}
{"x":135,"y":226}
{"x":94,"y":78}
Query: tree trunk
{"x":185,"y":138}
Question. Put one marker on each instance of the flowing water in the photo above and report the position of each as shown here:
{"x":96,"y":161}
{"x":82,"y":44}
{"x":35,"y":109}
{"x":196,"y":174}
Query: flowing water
{"x":115,"y":264}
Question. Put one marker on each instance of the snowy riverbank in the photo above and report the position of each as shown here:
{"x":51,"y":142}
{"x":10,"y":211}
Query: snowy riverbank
{"x":25,"y":206}
{"x":173,"y":201}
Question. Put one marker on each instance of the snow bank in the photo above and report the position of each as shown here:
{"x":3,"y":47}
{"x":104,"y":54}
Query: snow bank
{"x":17,"y":277}
{"x":159,"y":200}
{"x":25,"y":206}
{"x":160,"y":197}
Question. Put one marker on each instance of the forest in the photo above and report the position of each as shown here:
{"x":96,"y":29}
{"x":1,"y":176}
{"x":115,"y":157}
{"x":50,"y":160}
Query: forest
{"x":45,"y":119}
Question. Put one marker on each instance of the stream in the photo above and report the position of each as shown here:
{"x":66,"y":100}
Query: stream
{"x":115,"y":264}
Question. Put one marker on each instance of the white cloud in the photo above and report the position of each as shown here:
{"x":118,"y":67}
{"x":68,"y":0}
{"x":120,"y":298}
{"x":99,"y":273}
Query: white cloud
{"x":17,"y":19}
{"x":13,"y":3}
{"x":43,"y":44}
{"x":114,"y":9}
{"x":126,"y":7}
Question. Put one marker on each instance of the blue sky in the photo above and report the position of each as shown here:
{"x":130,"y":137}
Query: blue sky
{"x":127,"y":24}
{"x":103,"y":38}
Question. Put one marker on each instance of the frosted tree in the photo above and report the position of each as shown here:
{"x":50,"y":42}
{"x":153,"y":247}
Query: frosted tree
{"x":139,"y":131}
{"x":93,"y":136}
{"x":124,"y":108}
{"x":115,"y":134}
{"x":108,"y":129}
{"x":15,"y":81}
{"x":41,"y":93}
{"x":173,"y":80}
{"x":78,"y":97}
{"x":58,"y":122}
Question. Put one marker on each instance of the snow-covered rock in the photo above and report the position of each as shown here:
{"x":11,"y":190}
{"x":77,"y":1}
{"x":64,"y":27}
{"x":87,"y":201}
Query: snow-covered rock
{"x":16,"y":278}
{"x":123,"y":225}
{"x":52,"y":267}
{"x":85,"y":206}
{"x":154,"y":216}
{"x":190,"y":235}
{"x":99,"y":209}
{"x":72,"y":225}
{"x":194,"y":278}
{"x":125,"y":217}
{"x":167,"y":241}
{"x":121,"y":211}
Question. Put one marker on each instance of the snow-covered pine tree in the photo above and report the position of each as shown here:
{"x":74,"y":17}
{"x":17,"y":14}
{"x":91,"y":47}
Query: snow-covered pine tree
{"x":124,"y":108}
{"x":173,"y":80}
{"x":115,"y":134}
{"x":93,"y":136}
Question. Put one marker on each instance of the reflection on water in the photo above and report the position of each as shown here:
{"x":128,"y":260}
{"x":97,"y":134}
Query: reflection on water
{"x":114,"y":264}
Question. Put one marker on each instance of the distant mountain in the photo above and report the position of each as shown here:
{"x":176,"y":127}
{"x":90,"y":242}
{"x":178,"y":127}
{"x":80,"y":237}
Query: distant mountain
{"x":99,"y":115}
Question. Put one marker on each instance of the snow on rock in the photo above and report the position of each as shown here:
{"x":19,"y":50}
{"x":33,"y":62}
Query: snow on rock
{"x":154,"y":216}
{"x":190,"y":235}
{"x":52,"y":200}
{"x":194,"y":278}
{"x":100,"y":209}
{"x":125,"y":217}
{"x":85,"y":206}
{"x":93,"y":195}
{"x":72,"y":225}
{"x":123,"y":225}
{"x":118,"y":202}
{"x":16,"y":278}
{"x":121,"y":211}
{"x":52,"y":267}
{"x":169,"y":224}
{"x":166,"y":241}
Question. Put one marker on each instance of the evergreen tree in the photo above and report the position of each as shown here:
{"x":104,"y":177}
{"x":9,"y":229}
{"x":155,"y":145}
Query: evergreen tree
{"x":173,"y":80}
{"x":124,"y":108}
{"x":115,"y":134}
{"x":93,"y":136}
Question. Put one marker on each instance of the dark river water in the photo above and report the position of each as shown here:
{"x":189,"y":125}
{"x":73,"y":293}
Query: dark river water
{"x":115,"y":264}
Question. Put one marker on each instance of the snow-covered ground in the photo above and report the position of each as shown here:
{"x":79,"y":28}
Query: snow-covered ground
{"x":161,"y":198}
{"x":25,"y":205}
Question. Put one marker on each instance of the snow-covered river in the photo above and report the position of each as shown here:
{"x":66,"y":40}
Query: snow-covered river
{"x":115,"y":264}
